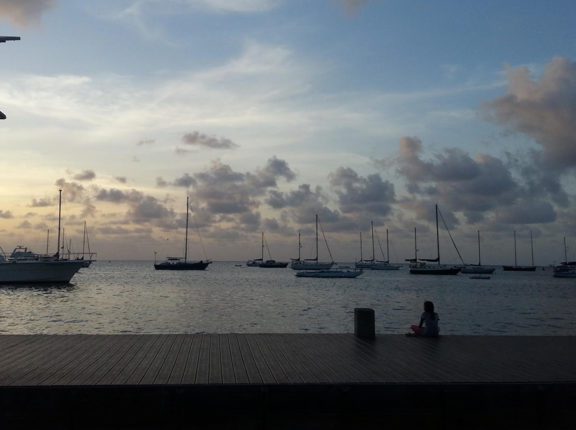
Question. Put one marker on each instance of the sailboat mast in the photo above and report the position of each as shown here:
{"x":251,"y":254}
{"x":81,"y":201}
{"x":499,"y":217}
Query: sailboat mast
{"x":84,"y":240}
{"x":372,"y":229}
{"x":515,"y":259}
{"x":262,"y":247}
{"x":479,"y":259}
{"x":186,"y":235}
{"x":531,"y":248}
{"x":361,"y":256}
{"x":437,"y":236}
{"x":387,"y":248}
{"x":565,"y":251}
{"x":415,"y":247}
{"x":48,"y":240}
{"x":299,"y":245}
{"x":316,"y":237}
{"x":59,"y":221}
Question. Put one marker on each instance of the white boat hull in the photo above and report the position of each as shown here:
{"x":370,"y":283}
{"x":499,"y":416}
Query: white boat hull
{"x":310,"y":265}
{"x":45,"y":272}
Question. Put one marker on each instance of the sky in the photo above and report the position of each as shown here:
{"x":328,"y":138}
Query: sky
{"x":268,"y":112}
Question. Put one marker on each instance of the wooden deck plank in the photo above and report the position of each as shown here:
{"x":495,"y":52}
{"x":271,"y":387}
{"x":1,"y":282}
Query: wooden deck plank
{"x":203,"y":365}
{"x":122,"y":368}
{"x":192,"y":359}
{"x":226,"y":361}
{"x":252,"y":371}
{"x":238,"y":365}
{"x":154,"y":366}
{"x":165,"y":369}
{"x":283,"y":359}
{"x":180,"y":360}
{"x":51,"y":360}
{"x":215,"y":375}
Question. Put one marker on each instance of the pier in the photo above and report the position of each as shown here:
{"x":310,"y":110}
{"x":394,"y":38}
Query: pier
{"x":302,"y":381}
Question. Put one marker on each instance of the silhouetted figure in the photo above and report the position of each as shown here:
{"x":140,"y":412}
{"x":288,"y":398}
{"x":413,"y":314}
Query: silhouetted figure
{"x":428,"y":326}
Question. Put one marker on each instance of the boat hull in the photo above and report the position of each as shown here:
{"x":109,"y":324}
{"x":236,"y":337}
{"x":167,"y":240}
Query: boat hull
{"x":310,"y":265}
{"x":477,"y":270}
{"x":434,"y":270}
{"x":273,"y":264}
{"x":329,"y":274}
{"x":39,"y":272}
{"x":192,"y":265}
{"x":519,"y":268}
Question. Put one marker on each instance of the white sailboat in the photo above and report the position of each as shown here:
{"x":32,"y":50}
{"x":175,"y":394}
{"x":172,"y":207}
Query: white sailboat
{"x":311,"y":263}
{"x":517,"y":268}
{"x":566,"y":269}
{"x":372,"y":263}
{"x":23,"y":266}
{"x":478,"y":269}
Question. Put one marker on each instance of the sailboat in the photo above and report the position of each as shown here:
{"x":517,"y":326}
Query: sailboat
{"x":178,"y":263}
{"x":421,"y":267}
{"x":478,"y":269}
{"x":566,"y":269}
{"x":517,"y":268}
{"x":311,"y":263}
{"x":268,"y":264}
{"x":23,"y":266}
{"x":372,"y":263}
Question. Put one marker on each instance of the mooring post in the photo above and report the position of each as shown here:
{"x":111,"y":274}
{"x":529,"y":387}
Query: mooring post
{"x":364,"y":323}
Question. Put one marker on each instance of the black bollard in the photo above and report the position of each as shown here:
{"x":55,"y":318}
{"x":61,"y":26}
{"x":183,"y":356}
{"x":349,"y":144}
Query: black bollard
{"x":364,"y":325}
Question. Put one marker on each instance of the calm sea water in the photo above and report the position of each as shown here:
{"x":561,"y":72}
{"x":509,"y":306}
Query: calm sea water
{"x":131,"y":297}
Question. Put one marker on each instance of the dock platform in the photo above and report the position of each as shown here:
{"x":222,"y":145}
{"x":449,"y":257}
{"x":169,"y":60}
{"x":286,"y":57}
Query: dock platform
{"x":315,"y":381}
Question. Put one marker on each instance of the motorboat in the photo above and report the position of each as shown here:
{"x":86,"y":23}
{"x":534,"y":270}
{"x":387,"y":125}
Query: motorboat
{"x":23,"y":266}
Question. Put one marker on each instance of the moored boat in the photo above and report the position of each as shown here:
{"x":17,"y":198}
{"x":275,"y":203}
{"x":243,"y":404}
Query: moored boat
{"x":311,"y":263}
{"x":330,"y":273}
{"x":516,"y":267}
{"x":566,"y":269}
{"x":178,"y":263}
{"x":478,"y":269}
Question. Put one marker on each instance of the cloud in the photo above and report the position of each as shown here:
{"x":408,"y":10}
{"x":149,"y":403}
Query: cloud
{"x":527,"y":211}
{"x":472,"y":186}
{"x":370,"y":196}
{"x":198,"y":139}
{"x":24,"y":12}
{"x":42,"y":203}
{"x":115,"y":195}
{"x":121,"y":179}
{"x":544,"y":110}
{"x":86,"y":175}
{"x":185,"y":181}
{"x":5,"y":214}
{"x":71,"y":191}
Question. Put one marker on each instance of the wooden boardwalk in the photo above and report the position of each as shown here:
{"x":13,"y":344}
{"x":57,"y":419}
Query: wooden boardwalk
{"x":333,"y":378}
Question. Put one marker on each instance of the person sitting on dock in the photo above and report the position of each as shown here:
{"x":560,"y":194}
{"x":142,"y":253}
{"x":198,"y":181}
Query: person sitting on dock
{"x":428,"y":326}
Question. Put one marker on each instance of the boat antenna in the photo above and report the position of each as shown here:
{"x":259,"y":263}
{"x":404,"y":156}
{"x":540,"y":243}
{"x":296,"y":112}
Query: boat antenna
{"x":59,"y":220}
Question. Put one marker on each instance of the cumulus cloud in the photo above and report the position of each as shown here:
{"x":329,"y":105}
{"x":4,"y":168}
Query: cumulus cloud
{"x":526,"y":211}
{"x":86,"y":175}
{"x":201,"y":140}
{"x":42,"y":203}
{"x":71,"y":191}
{"x":358,"y":195}
{"x":543,"y":109}
{"x":5,"y":214}
{"x":24,"y":12}
{"x":460,"y":183}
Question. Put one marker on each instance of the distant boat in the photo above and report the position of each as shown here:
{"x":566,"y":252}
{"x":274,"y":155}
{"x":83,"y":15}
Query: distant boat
{"x":372,"y":263}
{"x":421,"y":266}
{"x":311,"y":263}
{"x":517,"y":268}
{"x":178,"y":263}
{"x":330,"y":273}
{"x":23,"y":266}
{"x":566,"y":269}
{"x":478,"y":268}
{"x":268,"y":264}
